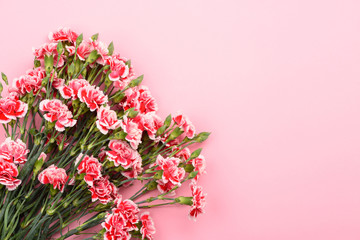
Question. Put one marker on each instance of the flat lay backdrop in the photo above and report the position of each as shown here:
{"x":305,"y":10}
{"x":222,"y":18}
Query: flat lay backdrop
{"x":277,"y":83}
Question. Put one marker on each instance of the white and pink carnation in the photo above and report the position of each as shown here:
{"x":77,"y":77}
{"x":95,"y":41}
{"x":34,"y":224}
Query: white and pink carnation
{"x":13,"y":151}
{"x":90,"y":166}
{"x":184,"y":123}
{"x":8,"y":174}
{"x":151,"y":123}
{"x":134,"y":129}
{"x":92,"y":96}
{"x":147,"y":229}
{"x":59,"y":112}
{"x":198,"y":200}
{"x":30,"y":82}
{"x":121,"y":73}
{"x":11,"y":108}
{"x":63,"y":34}
{"x":140,"y":99}
{"x":103,"y":190}
{"x":49,"y":49}
{"x":55,"y":176}
{"x":107,"y":120}
{"x":199,"y":165}
{"x":72,"y":88}
{"x":122,"y":154}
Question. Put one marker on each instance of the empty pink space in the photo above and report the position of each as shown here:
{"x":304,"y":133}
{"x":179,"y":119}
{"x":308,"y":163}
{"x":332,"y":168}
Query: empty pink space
{"x":276,"y":82}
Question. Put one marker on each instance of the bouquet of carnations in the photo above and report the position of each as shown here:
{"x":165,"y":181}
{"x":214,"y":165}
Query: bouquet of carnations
{"x":80,"y":128}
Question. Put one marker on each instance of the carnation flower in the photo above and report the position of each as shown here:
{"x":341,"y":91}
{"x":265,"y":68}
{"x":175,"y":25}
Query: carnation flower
{"x":140,"y":99}
{"x":90,"y":166}
{"x":92,"y":96}
{"x":8,"y":174}
{"x":151,"y":123}
{"x":13,"y":151}
{"x":107,"y":120}
{"x":183,"y":122}
{"x":49,"y":49}
{"x":55,"y":176}
{"x":171,"y":172}
{"x":128,"y":210}
{"x":199,"y":165}
{"x":30,"y":82}
{"x":103,"y":190}
{"x":71,"y":90}
{"x":121,"y":73}
{"x":122,"y":154}
{"x":59,"y":112}
{"x":63,"y":34}
{"x":133,"y":128}
{"x":198,"y":200}
{"x":12,"y":108}
{"x":101,"y":49}
{"x":147,"y":226}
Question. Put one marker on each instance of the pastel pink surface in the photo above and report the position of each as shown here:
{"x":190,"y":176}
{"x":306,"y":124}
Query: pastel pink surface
{"x":276,"y":82}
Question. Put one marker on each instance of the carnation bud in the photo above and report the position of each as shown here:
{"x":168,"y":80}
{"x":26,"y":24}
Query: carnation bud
{"x":79,"y":39}
{"x":119,"y":97}
{"x":131,"y":113}
{"x":151,"y":185}
{"x":192,"y":175}
{"x":92,"y":57}
{"x":4,"y":77}
{"x":161,"y":130}
{"x":95,"y":36}
{"x":120,"y":135}
{"x":37,"y":63}
{"x":60,"y":48}
{"x":37,"y":140}
{"x":45,"y":81}
{"x":158,"y":175}
{"x":184,"y":200}
{"x":136,"y":82}
{"x":189,"y":168}
{"x":77,"y":65}
{"x":128,"y":63}
{"x":195,"y":153}
{"x":174,"y":134}
{"x":49,"y":63}
{"x":202,"y":137}
{"x":167,"y":121}
{"x":107,"y":81}
{"x":71,"y":69}
{"x":111,"y":48}
{"x":37,"y":166}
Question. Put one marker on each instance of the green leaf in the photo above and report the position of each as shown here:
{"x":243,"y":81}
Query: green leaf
{"x":202,"y":137}
{"x":79,"y":39}
{"x":111,"y":48}
{"x":4,"y":77}
{"x":136,"y":82}
{"x":167,"y":121}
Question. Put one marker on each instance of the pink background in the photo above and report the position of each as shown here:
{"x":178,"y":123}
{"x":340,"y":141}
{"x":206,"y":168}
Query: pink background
{"x":276,"y":82}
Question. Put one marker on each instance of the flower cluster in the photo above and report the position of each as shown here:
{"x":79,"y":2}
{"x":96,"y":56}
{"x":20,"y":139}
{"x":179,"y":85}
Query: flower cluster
{"x":81,"y":129}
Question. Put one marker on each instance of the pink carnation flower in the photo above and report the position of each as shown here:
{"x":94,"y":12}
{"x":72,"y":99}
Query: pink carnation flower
{"x":90,"y":166}
{"x":151,"y":123}
{"x":12,"y":108}
{"x":106,"y":120}
{"x":71,"y":90}
{"x":171,"y":172}
{"x":122,"y":154}
{"x":121,"y":73}
{"x":49,"y":49}
{"x":92,"y":96}
{"x":183,"y":122}
{"x":63,"y":34}
{"x":134,"y":129}
{"x":8,"y":174}
{"x":141,"y":99}
{"x":198,"y":200}
{"x":199,"y":165}
{"x":13,"y":151}
{"x":103,"y":190}
{"x":30,"y":82}
{"x":147,"y":226}
{"x":55,"y":176}
{"x":59,"y":112}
